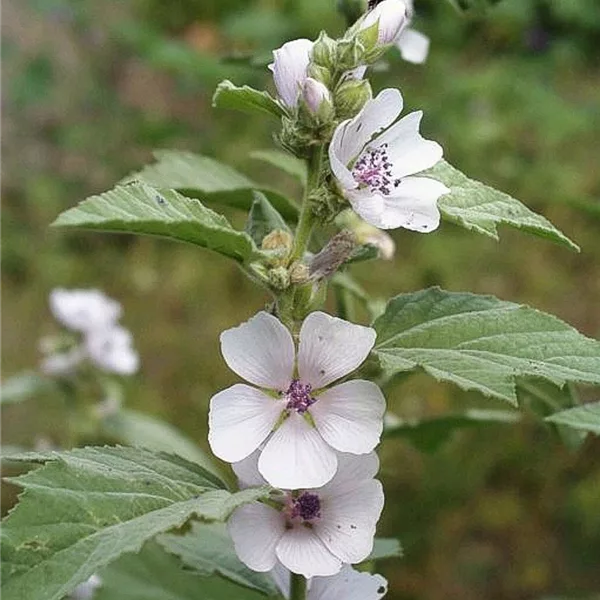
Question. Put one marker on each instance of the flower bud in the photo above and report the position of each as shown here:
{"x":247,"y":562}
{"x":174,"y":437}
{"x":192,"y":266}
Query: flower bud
{"x":324,"y":52}
{"x":289,"y":66}
{"x":351,"y":96}
{"x":390,"y":16}
{"x":315,"y":94}
{"x":277,"y":240}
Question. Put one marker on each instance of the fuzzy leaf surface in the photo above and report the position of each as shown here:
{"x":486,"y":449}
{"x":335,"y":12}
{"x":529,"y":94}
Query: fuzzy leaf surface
{"x":245,"y":99}
{"x":153,"y":574}
{"x":207,"y":549}
{"x":481,"y":343}
{"x":138,"y":429}
{"x":143,"y":209}
{"x":481,"y":208}
{"x":582,"y":418}
{"x":208,"y":180}
{"x":86,"y":507}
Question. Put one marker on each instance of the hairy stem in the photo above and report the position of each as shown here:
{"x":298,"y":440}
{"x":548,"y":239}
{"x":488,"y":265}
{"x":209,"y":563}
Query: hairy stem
{"x":297,"y":587}
{"x":306,"y":221}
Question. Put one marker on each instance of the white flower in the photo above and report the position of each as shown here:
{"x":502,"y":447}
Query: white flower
{"x":87,"y":589}
{"x":314,"y":94}
{"x":413,"y":45}
{"x":391,"y":16}
{"x":290,"y":69}
{"x":312,"y":531}
{"x":375,"y":160}
{"x":83,"y":310}
{"x":112,"y":349}
{"x":348,"y":584}
{"x":302,"y":423}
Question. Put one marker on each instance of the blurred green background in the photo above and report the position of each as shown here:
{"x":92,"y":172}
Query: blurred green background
{"x":513,"y":94}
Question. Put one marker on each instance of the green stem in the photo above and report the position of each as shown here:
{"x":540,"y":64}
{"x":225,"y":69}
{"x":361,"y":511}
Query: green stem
{"x":297,"y":587}
{"x":306,"y":220}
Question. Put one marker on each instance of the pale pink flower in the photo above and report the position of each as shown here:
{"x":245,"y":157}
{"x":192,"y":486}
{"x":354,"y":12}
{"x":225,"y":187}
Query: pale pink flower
{"x":299,"y":420}
{"x":375,"y":162}
{"x":348,"y":584}
{"x":391,"y":16}
{"x":290,"y":70}
{"x":310,"y":531}
{"x":112,"y":350}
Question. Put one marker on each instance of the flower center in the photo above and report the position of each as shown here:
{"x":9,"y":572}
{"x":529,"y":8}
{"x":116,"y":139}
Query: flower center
{"x":374,"y":170}
{"x":298,"y":396}
{"x":306,"y":507}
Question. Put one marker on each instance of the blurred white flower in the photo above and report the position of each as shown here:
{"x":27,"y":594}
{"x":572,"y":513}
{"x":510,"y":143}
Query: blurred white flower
{"x":391,"y":16}
{"x":87,"y":589}
{"x":348,"y":584}
{"x":112,"y":349}
{"x":82,"y":310}
{"x":301,"y":422}
{"x":104,"y":342}
{"x":290,"y":69}
{"x":375,"y":160}
{"x":413,"y":45}
{"x":311,"y":531}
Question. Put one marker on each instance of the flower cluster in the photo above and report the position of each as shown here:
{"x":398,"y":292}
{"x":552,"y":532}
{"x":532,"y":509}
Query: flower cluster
{"x":310,"y":439}
{"x":376,"y":160}
{"x":299,"y":425}
{"x":104,"y":342}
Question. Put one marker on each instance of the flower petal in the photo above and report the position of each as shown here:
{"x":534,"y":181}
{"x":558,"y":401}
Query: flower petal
{"x":331,"y":348}
{"x":413,"y":46}
{"x":407,"y":150}
{"x":376,"y":114}
{"x":301,"y":551}
{"x":352,"y":471}
{"x":255,"y":530}
{"x":247,"y":471}
{"x":366,"y":204}
{"x":290,"y":69}
{"x":413,"y":205}
{"x":349,"y":416}
{"x":348,"y":584}
{"x":347,"y":526}
{"x":261,"y":351}
{"x":296,"y":456}
{"x":239,"y":420}
{"x":339,"y":168}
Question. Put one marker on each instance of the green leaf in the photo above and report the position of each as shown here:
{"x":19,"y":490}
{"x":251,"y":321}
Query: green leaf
{"x":23,"y":386}
{"x":245,"y":99}
{"x":282,"y":160}
{"x":429,"y":434}
{"x":263,"y":219}
{"x":204,"y":178}
{"x":140,"y":208}
{"x":481,"y":208}
{"x":385,"y":548}
{"x":582,"y":418}
{"x":133,"y":428}
{"x":208,"y":549}
{"x":363,"y":253}
{"x":481,"y":343}
{"x":86,"y":507}
{"x":153,"y":574}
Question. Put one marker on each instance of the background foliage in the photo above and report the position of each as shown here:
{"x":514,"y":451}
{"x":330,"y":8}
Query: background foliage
{"x":91,"y":88}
